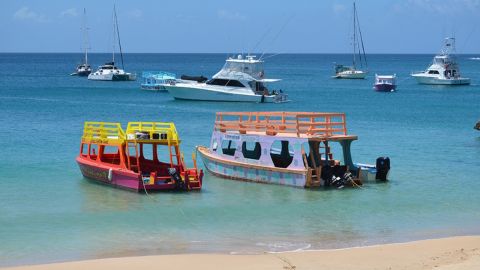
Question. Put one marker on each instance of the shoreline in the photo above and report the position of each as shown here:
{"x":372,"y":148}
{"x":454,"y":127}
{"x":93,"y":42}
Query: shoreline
{"x":453,"y":253}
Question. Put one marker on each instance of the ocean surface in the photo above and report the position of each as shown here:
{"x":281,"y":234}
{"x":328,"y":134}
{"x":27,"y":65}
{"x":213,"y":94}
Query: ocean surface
{"x":49,"y":212}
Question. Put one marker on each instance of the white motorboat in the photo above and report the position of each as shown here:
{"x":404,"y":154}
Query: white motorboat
{"x":353,"y":72}
{"x":109,"y":72}
{"x":444,"y":70}
{"x":84,"y":69}
{"x":241,"y":80}
{"x":385,"y":83}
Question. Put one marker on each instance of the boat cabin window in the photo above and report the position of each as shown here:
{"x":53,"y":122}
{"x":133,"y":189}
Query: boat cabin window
{"x":84,"y":150}
{"x":433,"y":72}
{"x":228,"y":147}
{"x":110,"y":154}
{"x":224,"y":82}
{"x":146,"y":151}
{"x":251,"y":150}
{"x":93,"y":153}
{"x":281,"y":154}
{"x":163,"y":154}
{"x":131,"y":150}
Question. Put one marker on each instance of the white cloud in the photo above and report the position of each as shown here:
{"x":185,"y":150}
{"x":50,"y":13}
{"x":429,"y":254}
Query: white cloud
{"x":71,"y":12}
{"x":338,"y":8}
{"x":233,"y":16}
{"x":26,"y":14}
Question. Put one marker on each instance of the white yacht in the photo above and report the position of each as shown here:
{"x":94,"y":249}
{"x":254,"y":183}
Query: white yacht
{"x":84,"y":69}
{"x":444,"y":69}
{"x":241,"y":79}
{"x":109,"y":72}
{"x":353,"y":72}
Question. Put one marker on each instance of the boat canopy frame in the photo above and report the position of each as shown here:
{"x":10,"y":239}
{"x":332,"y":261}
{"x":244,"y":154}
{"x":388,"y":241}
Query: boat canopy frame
{"x":163,"y":133}
{"x":312,"y":125}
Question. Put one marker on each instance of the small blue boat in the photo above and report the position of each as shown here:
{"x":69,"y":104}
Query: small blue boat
{"x":156,"y":80}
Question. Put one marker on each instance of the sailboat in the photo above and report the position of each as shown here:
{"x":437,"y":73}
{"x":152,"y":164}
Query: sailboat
{"x":352,"y":72}
{"x":84,"y":69}
{"x":108,"y":71}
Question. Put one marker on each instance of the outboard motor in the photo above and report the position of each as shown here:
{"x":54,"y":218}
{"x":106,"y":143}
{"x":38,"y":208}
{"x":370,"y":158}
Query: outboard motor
{"x":382,"y":166}
{"x":175,"y":176}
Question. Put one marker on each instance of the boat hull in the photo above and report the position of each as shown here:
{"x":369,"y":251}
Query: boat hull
{"x":384,"y":87}
{"x":357,"y":74}
{"x":157,"y":87}
{"x":194,"y":93}
{"x":112,"y":77}
{"x":252,"y":173}
{"x":83,"y":73}
{"x":436,"y":81}
{"x":117,"y":177}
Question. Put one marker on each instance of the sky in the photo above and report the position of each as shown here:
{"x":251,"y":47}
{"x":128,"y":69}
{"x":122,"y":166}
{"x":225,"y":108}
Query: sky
{"x":226,"y":26}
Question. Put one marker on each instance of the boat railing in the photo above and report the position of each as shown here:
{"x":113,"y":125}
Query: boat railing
{"x":299,"y":124}
{"x":103,"y":132}
{"x":159,"y":132}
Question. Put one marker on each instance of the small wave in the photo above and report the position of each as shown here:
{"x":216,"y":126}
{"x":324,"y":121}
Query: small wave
{"x":279,"y":247}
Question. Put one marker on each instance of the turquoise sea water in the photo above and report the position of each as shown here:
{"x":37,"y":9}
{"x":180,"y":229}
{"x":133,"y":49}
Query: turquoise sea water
{"x":49,"y":212}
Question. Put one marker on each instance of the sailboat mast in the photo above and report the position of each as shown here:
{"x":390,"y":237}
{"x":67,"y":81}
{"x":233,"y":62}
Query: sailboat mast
{"x":85,"y":35}
{"x":113,"y":43}
{"x":118,"y":36}
{"x":354,"y":34}
{"x":361,"y":42}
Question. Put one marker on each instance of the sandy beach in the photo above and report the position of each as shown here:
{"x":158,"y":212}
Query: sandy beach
{"x":447,"y":254}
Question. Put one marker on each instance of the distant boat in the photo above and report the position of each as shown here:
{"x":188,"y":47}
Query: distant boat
{"x":84,"y":69}
{"x":385,"y":83}
{"x":444,"y":70}
{"x":155,"y":80}
{"x":240,"y":80}
{"x":110,"y":72}
{"x":474,"y":58}
{"x":352,"y":72}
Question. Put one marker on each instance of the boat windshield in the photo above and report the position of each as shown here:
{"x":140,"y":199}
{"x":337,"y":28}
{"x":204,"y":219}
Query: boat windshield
{"x":442,"y":60}
{"x":249,"y":66}
{"x":225,"y":82}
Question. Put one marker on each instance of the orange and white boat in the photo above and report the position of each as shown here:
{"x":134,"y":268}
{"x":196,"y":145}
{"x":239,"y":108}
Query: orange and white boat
{"x":287,"y":148}
{"x":144,"y":157}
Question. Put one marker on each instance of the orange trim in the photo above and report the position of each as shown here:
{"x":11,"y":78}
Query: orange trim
{"x":299,"y":124}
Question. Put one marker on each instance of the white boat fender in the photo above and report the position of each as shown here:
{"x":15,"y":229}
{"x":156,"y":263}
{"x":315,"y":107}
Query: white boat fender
{"x":110,"y":174}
